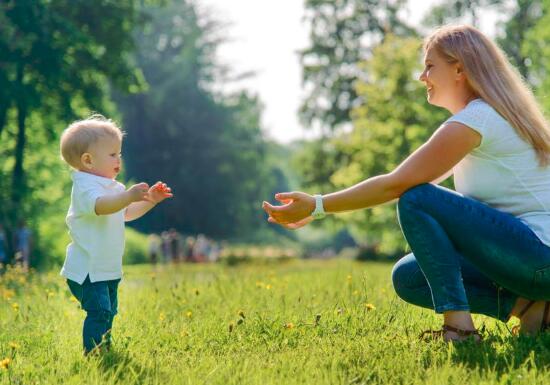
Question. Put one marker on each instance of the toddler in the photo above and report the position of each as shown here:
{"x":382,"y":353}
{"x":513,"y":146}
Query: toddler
{"x":99,"y":207}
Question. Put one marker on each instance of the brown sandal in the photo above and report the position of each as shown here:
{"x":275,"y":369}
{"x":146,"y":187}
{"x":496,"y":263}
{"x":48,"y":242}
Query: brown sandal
{"x":440,"y":334}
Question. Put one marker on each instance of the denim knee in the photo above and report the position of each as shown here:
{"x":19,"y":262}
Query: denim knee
{"x":401,"y":273}
{"x":412,"y":194}
{"x":100,"y":315}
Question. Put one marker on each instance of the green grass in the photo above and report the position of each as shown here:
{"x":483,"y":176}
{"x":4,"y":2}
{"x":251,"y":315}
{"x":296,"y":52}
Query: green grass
{"x":174,"y":327}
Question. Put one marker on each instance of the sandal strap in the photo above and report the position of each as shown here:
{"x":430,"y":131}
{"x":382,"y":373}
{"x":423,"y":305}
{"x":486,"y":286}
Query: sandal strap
{"x":447,"y":328}
{"x":461,"y":332}
{"x":527,"y":307}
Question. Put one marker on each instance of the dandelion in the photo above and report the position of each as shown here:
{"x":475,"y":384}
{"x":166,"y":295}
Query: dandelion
{"x":162,"y":316}
{"x":268,"y":287}
{"x":189,"y":314}
{"x":370,"y":306}
{"x":15,"y":306}
{"x":7,"y":294}
{"x":289,"y":325}
{"x":13,"y":345}
{"x":5,"y":363}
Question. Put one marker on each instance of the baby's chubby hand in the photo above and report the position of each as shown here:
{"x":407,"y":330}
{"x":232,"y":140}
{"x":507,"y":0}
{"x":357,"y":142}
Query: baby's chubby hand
{"x":138,"y":192}
{"x":159,"y":192}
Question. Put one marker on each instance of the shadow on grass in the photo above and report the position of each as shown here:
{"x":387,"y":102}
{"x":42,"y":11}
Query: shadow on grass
{"x":124,"y":368}
{"x":502,"y":354}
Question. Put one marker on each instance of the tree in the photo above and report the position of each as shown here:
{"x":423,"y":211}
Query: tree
{"x":208,"y":147}
{"x":343,"y":33}
{"x":56,"y":58}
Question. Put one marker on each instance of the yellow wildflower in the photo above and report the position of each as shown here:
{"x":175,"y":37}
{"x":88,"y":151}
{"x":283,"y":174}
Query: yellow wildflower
{"x":162,"y":316}
{"x":15,"y":306}
{"x":370,"y":306}
{"x":289,"y":325}
{"x":349,"y":277}
{"x":13,"y":345}
{"x":189,"y":314}
{"x":268,"y":287}
{"x":5,"y":363}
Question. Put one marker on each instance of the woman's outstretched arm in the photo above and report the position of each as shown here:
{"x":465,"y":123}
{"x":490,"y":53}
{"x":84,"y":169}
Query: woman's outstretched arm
{"x":448,"y":145}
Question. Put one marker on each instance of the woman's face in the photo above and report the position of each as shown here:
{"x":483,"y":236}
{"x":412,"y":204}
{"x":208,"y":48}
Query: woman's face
{"x":444,"y":81}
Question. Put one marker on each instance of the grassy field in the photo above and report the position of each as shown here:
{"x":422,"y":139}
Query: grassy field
{"x":298,"y":322}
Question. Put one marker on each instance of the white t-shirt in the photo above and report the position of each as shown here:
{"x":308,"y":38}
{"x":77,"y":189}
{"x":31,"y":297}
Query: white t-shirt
{"x":503,"y":171}
{"x":97,"y":240}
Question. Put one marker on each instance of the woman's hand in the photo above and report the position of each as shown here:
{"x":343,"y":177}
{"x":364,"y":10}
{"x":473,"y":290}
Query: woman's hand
{"x":295,"y":211}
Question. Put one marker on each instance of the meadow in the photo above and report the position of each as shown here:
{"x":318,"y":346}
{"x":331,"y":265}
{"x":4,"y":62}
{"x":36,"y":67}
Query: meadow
{"x":296,"y":322}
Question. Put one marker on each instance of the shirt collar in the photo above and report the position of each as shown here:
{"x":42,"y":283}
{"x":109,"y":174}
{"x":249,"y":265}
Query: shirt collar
{"x":86,"y":176}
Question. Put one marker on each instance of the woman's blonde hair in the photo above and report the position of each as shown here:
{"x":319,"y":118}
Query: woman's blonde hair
{"x":80,"y":135}
{"x":492,"y":78}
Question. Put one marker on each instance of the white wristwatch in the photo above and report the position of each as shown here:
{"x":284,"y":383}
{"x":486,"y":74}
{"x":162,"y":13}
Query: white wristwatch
{"x":319,"y":212}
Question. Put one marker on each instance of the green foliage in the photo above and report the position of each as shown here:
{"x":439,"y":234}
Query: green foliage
{"x":208,"y":147}
{"x":135,"y":249}
{"x":58,"y":59}
{"x":301,"y":322}
{"x":537,"y":53}
{"x":343,"y":34}
{"x":450,"y":10}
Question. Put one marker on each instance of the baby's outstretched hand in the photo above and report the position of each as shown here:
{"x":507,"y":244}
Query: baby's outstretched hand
{"x":159,"y":192}
{"x":138,"y":192}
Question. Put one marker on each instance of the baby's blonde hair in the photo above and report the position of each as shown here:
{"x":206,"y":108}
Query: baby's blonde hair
{"x":80,"y":135}
{"x":495,"y":80}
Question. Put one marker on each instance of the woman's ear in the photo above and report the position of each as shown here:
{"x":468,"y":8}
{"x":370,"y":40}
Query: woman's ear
{"x":86,"y":160}
{"x":460,"y":75}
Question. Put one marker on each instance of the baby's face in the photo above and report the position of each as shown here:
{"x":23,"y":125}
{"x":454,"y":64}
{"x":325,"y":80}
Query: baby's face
{"x":104,"y":159}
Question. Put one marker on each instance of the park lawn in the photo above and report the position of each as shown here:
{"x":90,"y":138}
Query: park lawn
{"x":297,"y":322}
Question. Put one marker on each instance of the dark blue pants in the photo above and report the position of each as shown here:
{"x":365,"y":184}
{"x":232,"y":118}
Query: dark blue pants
{"x":100,"y":301}
{"x":467,"y":255}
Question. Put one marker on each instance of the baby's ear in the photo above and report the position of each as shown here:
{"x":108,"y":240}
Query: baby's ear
{"x":86,"y":160}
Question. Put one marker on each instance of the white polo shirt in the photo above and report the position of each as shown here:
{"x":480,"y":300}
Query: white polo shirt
{"x":97,"y":240}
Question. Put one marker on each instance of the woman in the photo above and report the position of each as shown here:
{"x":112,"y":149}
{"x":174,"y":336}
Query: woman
{"x":486,"y":247}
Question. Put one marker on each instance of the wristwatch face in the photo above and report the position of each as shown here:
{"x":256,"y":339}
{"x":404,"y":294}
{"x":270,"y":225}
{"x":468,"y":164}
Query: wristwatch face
{"x":318,"y":215}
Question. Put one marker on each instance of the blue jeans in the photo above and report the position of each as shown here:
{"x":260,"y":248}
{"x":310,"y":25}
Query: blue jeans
{"x":467,"y":255}
{"x":100,"y":301}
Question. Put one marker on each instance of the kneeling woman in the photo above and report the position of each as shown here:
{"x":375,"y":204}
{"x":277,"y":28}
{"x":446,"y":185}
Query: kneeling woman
{"x":484,"y":248}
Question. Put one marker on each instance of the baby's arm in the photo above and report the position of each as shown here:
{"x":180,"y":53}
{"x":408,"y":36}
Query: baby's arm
{"x":156,"y":194}
{"x":109,"y":204}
